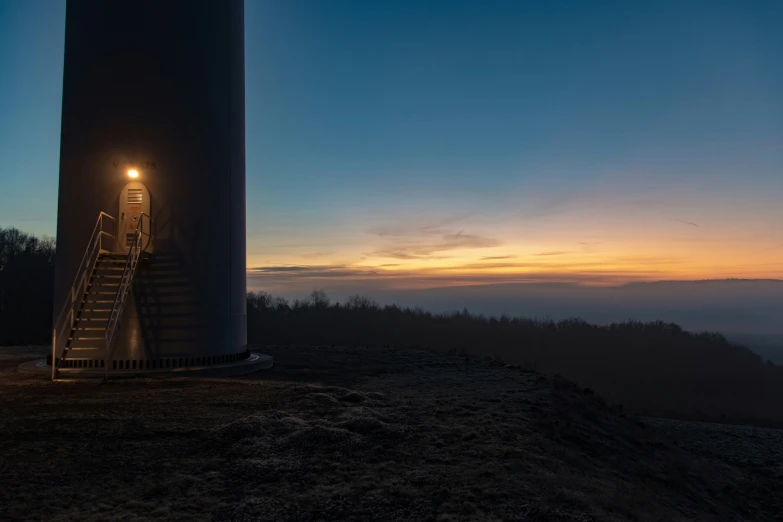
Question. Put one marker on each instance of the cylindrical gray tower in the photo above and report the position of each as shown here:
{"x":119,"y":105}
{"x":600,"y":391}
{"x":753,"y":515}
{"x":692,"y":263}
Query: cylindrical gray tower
{"x":153,"y":123}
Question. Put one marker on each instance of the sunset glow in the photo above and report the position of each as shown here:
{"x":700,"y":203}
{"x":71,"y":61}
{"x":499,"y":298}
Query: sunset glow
{"x":606,"y":240}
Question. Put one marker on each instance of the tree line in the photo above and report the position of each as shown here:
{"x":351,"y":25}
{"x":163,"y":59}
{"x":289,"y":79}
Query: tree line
{"x":26,"y":287}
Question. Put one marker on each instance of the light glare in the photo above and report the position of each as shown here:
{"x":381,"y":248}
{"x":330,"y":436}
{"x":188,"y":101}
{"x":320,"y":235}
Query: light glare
{"x":133,"y":173}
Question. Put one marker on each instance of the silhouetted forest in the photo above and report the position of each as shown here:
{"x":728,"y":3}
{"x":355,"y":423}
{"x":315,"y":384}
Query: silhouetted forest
{"x":26,"y":286}
{"x":654,"y":366}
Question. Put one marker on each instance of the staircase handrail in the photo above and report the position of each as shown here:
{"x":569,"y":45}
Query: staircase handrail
{"x":80,"y":283}
{"x":128,"y":272}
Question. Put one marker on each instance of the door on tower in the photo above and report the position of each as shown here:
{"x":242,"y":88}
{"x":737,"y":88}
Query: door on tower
{"x":134,"y":212}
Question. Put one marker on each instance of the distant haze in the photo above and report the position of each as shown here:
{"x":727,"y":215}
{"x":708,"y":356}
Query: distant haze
{"x":749,"y":310}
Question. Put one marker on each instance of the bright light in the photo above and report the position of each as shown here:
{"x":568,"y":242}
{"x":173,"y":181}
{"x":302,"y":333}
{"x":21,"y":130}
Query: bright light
{"x":133,"y":173}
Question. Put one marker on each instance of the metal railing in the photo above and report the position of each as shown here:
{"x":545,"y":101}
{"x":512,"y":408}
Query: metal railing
{"x":63,"y":325}
{"x":128,"y":272}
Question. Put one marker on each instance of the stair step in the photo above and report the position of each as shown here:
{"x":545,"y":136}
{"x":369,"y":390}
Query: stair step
{"x":84,"y":349}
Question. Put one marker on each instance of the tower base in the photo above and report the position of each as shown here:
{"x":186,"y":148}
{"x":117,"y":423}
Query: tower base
{"x":253,"y":363}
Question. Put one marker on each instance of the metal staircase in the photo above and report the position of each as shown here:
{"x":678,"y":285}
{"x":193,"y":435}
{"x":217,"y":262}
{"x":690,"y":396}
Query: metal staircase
{"x":86,"y":328}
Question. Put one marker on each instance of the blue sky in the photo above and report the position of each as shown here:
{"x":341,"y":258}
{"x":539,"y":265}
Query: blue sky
{"x":439,"y":141}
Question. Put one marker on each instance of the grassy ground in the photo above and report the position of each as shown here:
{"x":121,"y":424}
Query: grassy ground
{"x":353,"y":434}
{"x":747,"y":446}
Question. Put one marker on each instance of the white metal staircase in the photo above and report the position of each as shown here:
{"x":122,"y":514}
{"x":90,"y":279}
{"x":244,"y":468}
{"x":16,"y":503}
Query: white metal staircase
{"x":84,"y":332}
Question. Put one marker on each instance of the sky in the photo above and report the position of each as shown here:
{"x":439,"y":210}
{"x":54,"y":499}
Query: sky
{"x":411,"y":145}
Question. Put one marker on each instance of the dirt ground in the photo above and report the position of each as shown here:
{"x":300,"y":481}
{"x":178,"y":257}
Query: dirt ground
{"x":336,"y":433}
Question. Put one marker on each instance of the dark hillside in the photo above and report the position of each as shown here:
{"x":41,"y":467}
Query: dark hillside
{"x":651,"y":366}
